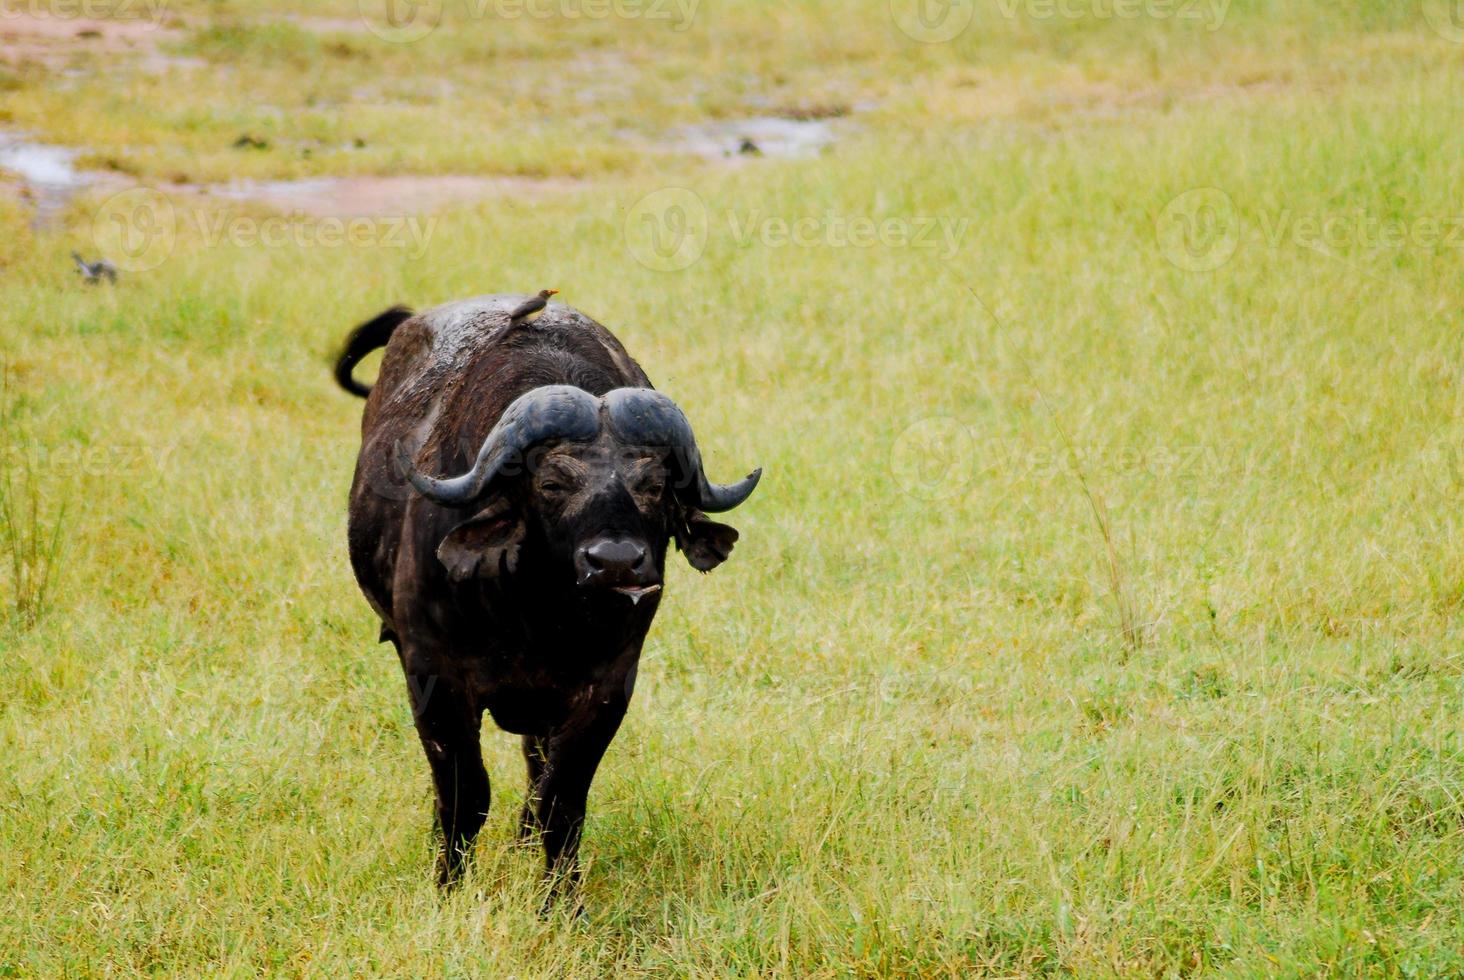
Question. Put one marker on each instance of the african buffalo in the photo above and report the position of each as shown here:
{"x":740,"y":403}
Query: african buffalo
{"x":525,"y":584}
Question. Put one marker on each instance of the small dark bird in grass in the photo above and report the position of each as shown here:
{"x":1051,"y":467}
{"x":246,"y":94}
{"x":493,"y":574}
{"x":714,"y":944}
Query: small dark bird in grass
{"x":94,"y":272}
{"x":530,"y":308}
{"x":748,"y":148}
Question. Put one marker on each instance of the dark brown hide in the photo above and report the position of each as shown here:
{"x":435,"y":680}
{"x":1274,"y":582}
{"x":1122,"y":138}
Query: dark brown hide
{"x":531,"y":601}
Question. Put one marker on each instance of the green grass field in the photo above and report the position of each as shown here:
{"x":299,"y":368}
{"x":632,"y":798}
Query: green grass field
{"x":1099,"y":613}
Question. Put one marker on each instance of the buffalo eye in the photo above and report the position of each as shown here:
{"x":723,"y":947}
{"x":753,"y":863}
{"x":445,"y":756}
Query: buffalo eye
{"x":556,"y":483}
{"x":649,"y":485}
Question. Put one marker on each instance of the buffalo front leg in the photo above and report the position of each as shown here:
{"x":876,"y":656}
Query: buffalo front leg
{"x":572,"y":754}
{"x":536,"y":749}
{"x":448,"y":726}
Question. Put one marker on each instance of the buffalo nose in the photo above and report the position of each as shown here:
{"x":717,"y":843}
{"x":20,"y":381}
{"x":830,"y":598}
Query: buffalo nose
{"x":615,"y":562}
{"x":615,"y":556}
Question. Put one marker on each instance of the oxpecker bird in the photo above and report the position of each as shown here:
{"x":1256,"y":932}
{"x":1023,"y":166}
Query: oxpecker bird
{"x":530,"y":308}
{"x":94,"y":272}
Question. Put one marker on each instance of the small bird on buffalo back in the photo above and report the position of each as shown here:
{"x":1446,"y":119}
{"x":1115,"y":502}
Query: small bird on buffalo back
{"x":94,"y":272}
{"x":530,"y":308}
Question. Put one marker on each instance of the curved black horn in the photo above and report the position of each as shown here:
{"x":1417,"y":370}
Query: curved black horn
{"x":550,"y":412}
{"x":642,"y":417}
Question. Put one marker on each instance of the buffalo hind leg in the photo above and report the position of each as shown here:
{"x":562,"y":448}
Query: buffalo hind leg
{"x":449,"y":726}
{"x":573,"y":754}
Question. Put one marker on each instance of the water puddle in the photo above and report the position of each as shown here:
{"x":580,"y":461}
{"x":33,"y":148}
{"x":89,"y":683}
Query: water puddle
{"x":48,"y":175}
{"x":770,"y":136}
{"x":36,"y":163}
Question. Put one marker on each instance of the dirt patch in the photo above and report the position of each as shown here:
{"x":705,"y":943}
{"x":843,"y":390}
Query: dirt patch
{"x":47,"y":178}
{"x":808,"y":113}
{"x":372,"y":196}
{"x":53,"y":40}
{"x":325,"y":25}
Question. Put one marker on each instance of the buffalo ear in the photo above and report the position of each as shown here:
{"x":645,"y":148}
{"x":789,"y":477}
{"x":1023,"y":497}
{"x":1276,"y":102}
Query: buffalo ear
{"x":706,"y":544}
{"x":486,"y":544}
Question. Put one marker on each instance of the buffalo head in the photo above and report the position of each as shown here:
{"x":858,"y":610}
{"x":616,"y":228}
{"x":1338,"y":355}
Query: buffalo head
{"x":597,"y":486}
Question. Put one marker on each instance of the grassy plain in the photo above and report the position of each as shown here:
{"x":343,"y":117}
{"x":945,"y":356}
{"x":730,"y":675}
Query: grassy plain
{"x":1098,"y":614}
